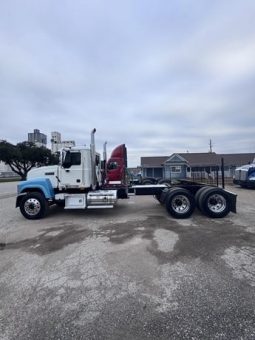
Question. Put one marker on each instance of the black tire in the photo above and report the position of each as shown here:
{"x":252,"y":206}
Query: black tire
{"x":214,"y":202}
{"x":198,"y":194}
{"x":164,"y":181}
{"x":147,"y":182}
{"x":34,"y":206}
{"x":180,"y":203}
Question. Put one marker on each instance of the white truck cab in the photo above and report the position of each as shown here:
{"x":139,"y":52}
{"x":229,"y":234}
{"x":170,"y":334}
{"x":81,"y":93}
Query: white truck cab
{"x":75,"y":170}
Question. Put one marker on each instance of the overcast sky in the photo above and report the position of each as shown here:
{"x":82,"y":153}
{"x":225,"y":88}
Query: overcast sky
{"x":161,"y":76}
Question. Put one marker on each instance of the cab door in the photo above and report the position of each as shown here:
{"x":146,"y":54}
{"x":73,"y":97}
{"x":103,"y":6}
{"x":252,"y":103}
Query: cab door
{"x":71,"y":174}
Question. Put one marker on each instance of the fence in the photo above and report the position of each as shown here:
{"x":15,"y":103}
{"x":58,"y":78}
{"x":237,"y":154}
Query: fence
{"x":213,"y":178}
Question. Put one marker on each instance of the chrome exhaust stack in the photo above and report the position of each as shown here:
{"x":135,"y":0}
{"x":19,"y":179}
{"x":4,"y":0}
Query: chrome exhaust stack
{"x":105,"y":157}
{"x":93,"y":158}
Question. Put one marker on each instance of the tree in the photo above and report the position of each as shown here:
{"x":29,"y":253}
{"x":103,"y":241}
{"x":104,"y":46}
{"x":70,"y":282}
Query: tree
{"x":24,"y":156}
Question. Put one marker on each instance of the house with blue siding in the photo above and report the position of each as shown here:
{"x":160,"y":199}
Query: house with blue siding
{"x":193,"y":165}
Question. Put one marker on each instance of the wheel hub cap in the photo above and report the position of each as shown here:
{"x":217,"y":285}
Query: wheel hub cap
{"x":32,"y":206}
{"x":181,"y":204}
{"x":217,"y":203}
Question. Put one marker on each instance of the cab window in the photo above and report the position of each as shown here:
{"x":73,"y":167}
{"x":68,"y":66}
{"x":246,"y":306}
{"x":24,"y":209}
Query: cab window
{"x":75,"y":158}
{"x":112,"y":165}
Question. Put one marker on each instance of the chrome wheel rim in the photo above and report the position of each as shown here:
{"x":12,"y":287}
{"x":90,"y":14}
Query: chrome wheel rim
{"x":217,"y":203}
{"x":32,"y":206}
{"x":180,"y":204}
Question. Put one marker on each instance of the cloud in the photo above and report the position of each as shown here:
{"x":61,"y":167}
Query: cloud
{"x":161,"y":77}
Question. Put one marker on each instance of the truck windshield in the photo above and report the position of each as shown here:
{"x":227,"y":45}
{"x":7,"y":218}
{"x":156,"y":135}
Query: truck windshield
{"x":112,"y":165}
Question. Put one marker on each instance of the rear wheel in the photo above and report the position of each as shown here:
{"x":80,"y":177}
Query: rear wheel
{"x":180,"y":203}
{"x":33,"y":206}
{"x":164,"y":181}
{"x":147,"y":182}
{"x":198,"y":194}
{"x":214,"y":202}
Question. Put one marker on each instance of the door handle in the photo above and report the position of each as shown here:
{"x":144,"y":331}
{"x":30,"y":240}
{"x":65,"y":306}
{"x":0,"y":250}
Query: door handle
{"x":67,"y":170}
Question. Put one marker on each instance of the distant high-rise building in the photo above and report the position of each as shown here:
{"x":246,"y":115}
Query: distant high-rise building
{"x":38,"y":138}
{"x":57,"y":144}
{"x":55,"y":141}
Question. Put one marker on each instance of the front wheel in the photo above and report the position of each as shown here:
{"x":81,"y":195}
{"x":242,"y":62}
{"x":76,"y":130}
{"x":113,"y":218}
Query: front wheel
{"x":33,"y":206}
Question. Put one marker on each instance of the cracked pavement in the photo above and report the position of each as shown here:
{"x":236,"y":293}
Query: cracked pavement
{"x":131,"y":272}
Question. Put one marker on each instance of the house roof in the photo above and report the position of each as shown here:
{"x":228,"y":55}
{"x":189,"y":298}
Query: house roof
{"x":156,"y":161}
{"x":205,"y":159}
{"x":202,"y":159}
{"x":238,"y":159}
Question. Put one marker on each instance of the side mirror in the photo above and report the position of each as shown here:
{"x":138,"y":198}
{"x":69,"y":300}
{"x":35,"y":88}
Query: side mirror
{"x":67,"y":161}
{"x":97,"y":160}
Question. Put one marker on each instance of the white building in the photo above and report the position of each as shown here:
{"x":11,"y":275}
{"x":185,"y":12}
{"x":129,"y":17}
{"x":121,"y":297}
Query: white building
{"x":6,"y":171}
{"x":55,"y":141}
{"x":4,"y":167}
{"x":57,"y":144}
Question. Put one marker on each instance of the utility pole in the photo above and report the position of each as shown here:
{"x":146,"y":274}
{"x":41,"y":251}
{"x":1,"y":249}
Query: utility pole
{"x":210,"y":145}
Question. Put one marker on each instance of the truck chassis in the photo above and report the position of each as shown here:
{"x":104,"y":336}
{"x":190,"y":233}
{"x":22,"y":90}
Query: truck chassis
{"x":180,"y":200}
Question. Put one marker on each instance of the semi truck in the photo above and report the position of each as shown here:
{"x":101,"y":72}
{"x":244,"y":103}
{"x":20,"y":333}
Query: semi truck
{"x":82,"y":180}
{"x":245,"y":176}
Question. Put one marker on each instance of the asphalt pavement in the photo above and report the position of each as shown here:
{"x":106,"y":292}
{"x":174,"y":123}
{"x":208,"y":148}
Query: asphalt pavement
{"x":131,"y":272}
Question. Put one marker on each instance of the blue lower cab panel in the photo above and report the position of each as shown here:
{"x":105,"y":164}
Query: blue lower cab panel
{"x":42,"y":184}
